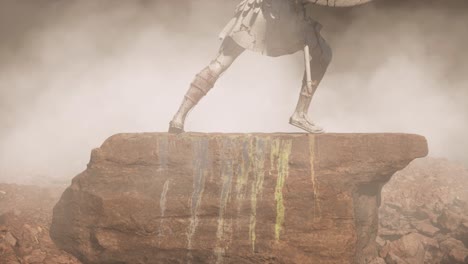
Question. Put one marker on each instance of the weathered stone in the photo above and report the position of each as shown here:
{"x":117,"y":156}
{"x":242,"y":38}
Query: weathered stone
{"x":10,"y":239}
{"x":465,"y":224}
{"x":380,"y":242}
{"x":434,"y":256}
{"x":447,"y":245}
{"x":377,"y":261}
{"x":462,"y":233}
{"x":22,"y":236}
{"x":394,"y":259}
{"x":394,"y":233}
{"x":7,"y":253}
{"x":428,"y":242}
{"x":391,"y":221}
{"x":36,"y":257}
{"x":449,"y":220}
{"x":384,"y":250}
{"x":409,"y":248}
{"x":458,"y":256}
{"x":426,"y":228}
{"x":433,"y":253}
{"x":57,"y":260}
{"x":237,"y":198}
{"x":430,"y":184}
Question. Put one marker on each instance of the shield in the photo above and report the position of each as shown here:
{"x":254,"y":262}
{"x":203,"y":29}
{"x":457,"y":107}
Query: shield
{"x":339,"y":3}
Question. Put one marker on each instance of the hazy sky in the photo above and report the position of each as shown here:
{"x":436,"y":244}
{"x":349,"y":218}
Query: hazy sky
{"x":72,"y":73}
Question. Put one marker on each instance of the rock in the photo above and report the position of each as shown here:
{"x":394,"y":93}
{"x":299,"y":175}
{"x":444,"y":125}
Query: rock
{"x":433,"y":257}
{"x":22,"y":235}
{"x":458,"y":256}
{"x":390,"y":219}
{"x":10,"y":239}
{"x":449,"y":244}
{"x":62,"y":259}
{"x":430,"y":184}
{"x":380,"y":242}
{"x":393,"y":234}
{"x":426,"y":228}
{"x":465,"y":224}
{"x":237,"y":198}
{"x":449,"y":221}
{"x":429,"y":197}
{"x":395,"y":206}
{"x":7,"y":253}
{"x":428,"y":242}
{"x":462,"y":233}
{"x":409,"y":248}
{"x":384,"y":250}
{"x":377,"y":261}
{"x":394,"y":259}
{"x":37,"y":256}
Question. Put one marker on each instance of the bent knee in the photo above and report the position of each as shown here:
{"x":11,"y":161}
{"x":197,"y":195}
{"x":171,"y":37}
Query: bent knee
{"x":217,"y":66}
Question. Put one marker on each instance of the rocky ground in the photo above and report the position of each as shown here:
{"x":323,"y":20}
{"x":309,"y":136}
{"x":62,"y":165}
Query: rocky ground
{"x":423,"y":218}
{"x":25,"y":217}
{"x":424,"y":214}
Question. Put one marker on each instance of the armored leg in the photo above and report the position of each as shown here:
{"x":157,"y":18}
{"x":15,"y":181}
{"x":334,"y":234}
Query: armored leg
{"x":204,"y":81}
{"x":321,"y":57}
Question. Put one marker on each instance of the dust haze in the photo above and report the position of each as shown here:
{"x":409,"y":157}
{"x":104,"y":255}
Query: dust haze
{"x":73,"y":73}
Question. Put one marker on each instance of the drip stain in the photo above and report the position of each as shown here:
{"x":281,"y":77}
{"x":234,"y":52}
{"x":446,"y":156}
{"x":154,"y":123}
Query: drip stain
{"x":227,"y":173}
{"x":257,"y":157}
{"x":163,"y":152}
{"x":280,"y":153}
{"x":244,"y":169}
{"x":162,"y":205}
{"x":317,"y":209}
{"x":200,"y":170}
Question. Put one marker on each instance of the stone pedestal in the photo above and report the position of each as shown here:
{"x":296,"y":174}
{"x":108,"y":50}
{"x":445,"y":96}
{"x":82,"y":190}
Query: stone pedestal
{"x":231,"y":198}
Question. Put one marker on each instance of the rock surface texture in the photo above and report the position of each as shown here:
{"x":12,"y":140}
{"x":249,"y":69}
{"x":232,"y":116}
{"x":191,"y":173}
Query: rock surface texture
{"x":25,"y":217}
{"x":425,"y":204}
{"x":231,"y":198}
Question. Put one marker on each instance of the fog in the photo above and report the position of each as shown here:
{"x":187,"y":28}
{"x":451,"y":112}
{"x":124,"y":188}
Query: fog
{"x":73,"y":73}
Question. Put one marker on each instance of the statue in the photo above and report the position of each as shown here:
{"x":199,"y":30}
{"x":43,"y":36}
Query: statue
{"x":273,"y":28}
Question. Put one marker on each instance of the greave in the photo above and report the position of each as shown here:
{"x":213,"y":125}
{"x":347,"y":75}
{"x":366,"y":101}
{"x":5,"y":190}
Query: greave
{"x":305,"y":98}
{"x":199,"y":87}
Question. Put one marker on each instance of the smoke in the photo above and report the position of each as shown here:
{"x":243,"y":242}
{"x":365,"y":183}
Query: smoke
{"x":77,"y":72}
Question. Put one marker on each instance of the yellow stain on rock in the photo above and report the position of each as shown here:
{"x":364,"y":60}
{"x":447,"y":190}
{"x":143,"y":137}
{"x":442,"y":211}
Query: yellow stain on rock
{"x":227,"y":174}
{"x":257,"y":159}
{"x":315,"y":186}
{"x":280,"y":153}
{"x":244,"y":170}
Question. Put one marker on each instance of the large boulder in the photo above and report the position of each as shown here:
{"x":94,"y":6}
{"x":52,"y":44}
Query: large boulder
{"x":231,"y":198}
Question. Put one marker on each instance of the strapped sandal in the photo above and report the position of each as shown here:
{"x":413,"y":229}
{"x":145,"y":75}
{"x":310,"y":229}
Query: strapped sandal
{"x":309,"y":127}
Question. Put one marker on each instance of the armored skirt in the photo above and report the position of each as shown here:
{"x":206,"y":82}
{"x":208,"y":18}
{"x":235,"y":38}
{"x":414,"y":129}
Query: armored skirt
{"x":271,"y":27}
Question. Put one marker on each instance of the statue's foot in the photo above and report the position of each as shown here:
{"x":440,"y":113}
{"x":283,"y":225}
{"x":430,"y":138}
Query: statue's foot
{"x":176,"y":127}
{"x":304,"y":124}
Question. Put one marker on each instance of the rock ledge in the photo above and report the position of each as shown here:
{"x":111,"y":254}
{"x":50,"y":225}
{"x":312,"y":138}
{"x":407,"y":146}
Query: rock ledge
{"x":231,"y":198}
